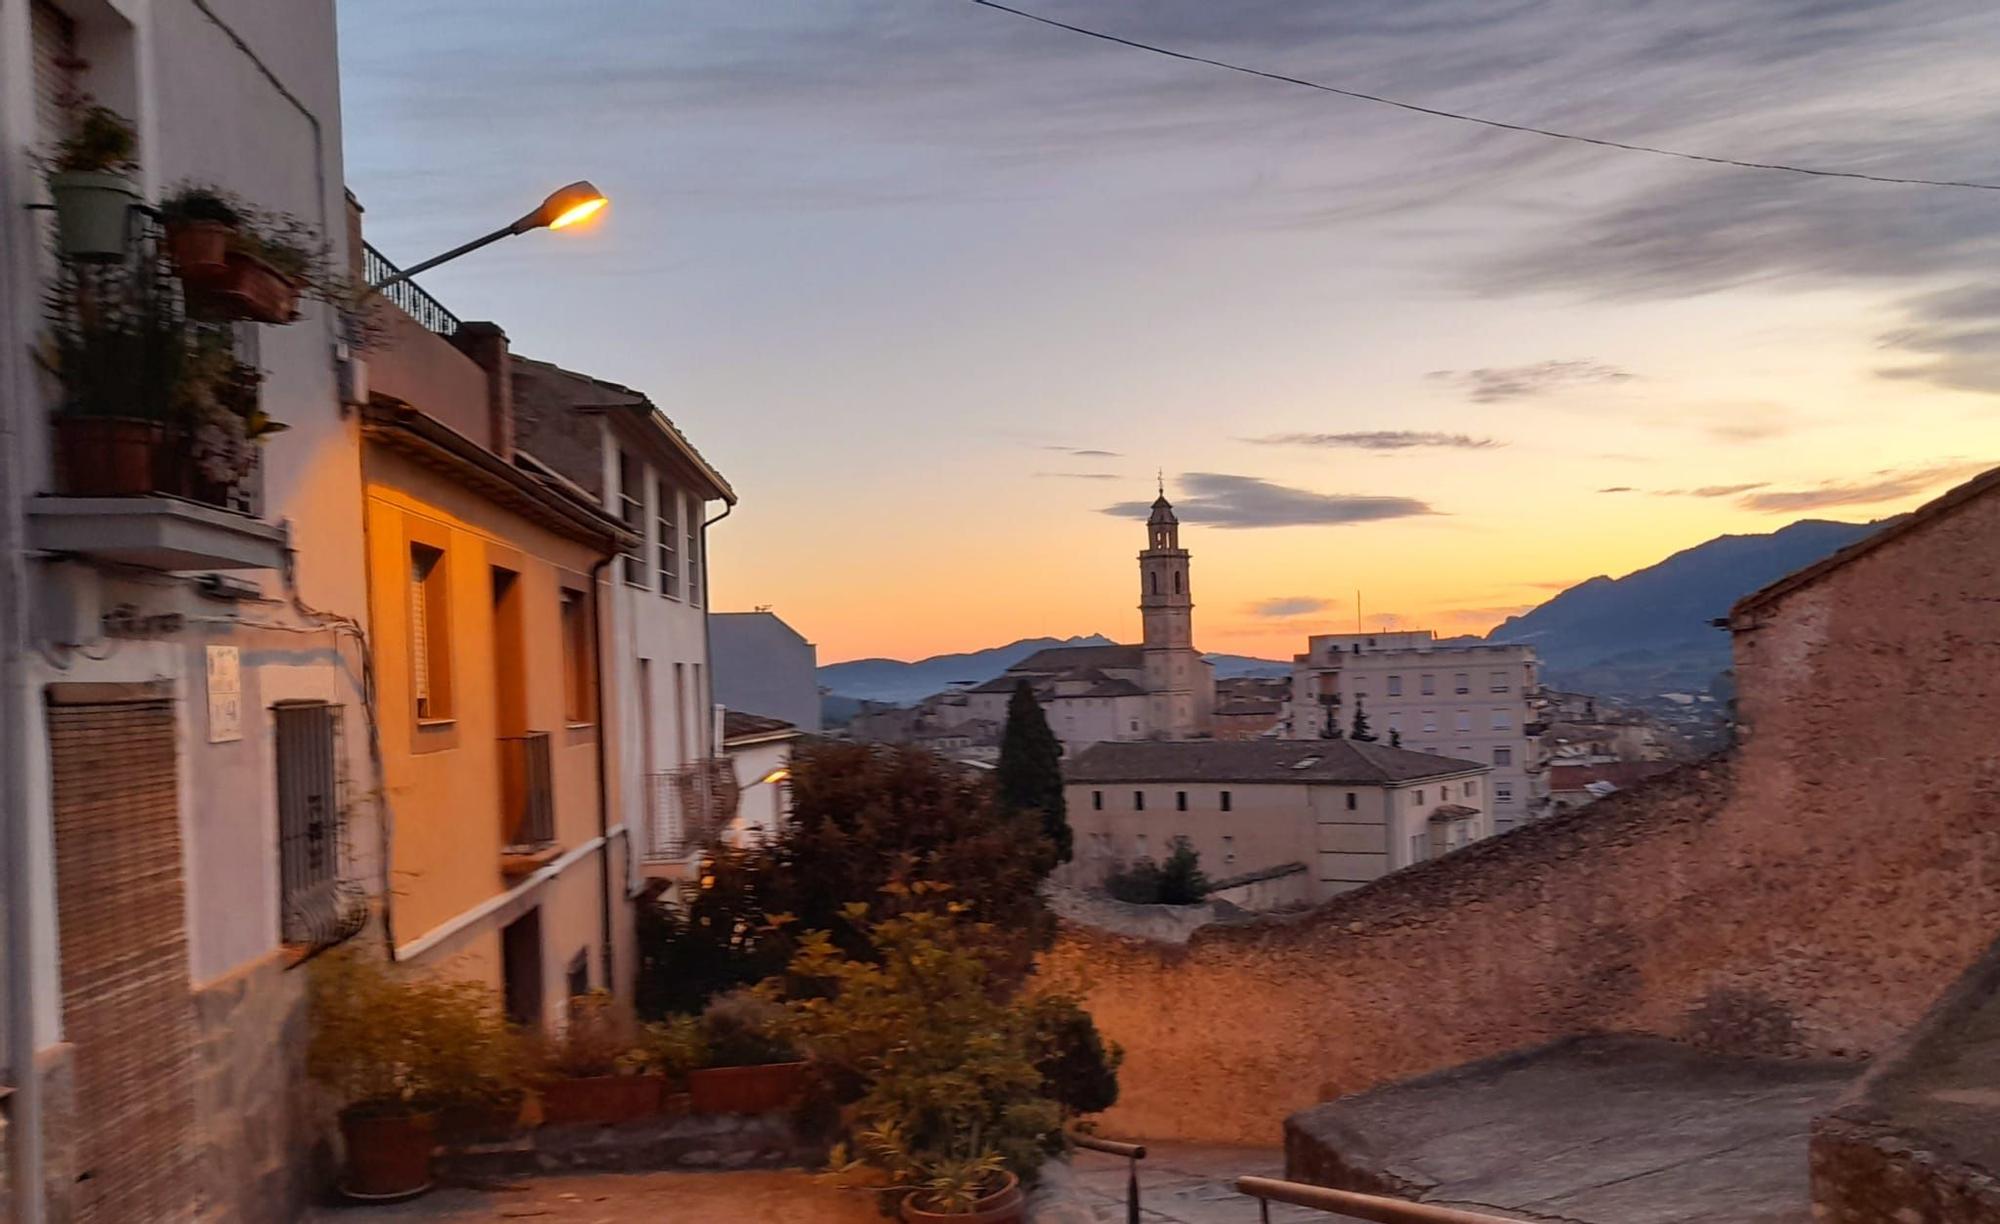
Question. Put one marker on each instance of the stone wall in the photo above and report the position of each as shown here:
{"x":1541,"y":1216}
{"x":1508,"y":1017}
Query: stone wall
{"x":1809,"y":895}
{"x":262,"y":1150}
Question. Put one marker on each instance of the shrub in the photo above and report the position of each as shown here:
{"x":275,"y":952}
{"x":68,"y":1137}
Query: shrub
{"x":674,"y":1046}
{"x":392,"y":1043}
{"x":920,"y":1047}
{"x":745,"y":1029}
{"x":1178,"y":881}
{"x":596,"y":1039}
{"x":1079,"y":1068}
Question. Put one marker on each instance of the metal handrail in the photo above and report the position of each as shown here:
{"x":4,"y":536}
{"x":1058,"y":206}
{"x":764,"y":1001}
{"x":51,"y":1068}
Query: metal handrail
{"x":1268,"y":1190}
{"x":405,"y":294}
{"x":1134,"y":1152}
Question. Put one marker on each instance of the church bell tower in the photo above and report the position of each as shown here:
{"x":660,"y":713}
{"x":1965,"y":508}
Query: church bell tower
{"x":1176,"y":674}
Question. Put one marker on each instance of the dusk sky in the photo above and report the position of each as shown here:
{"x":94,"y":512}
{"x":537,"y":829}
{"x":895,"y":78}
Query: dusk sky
{"x":940,"y":289}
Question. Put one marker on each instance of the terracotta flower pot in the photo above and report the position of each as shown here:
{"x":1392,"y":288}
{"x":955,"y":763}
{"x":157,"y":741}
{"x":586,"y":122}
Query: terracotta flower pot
{"x":388,"y":1155}
{"x":98,"y":456}
{"x":200,"y":251}
{"x":714,"y":1090}
{"x":601,"y":1099}
{"x":93,"y":214}
{"x":1007,"y":1205}
{"x":248,"y":288}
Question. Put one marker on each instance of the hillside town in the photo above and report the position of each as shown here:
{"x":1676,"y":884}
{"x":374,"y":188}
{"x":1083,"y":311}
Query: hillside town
{"x":409,"y":811}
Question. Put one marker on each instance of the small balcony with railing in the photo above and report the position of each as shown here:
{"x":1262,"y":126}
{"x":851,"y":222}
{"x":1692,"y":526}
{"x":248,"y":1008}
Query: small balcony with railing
{"x":688,"y":810}
{"x":528,"y":804}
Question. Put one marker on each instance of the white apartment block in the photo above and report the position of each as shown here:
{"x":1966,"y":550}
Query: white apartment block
{"x":1473,"y":702}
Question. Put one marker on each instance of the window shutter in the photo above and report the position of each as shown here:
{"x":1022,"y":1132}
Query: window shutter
{"x":420,"y":653}
{"x":54,"y":37}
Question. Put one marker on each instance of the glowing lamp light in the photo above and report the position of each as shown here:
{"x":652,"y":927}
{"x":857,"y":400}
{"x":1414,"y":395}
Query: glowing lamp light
{"x":782,"y":773}
{"x":566,"y":206}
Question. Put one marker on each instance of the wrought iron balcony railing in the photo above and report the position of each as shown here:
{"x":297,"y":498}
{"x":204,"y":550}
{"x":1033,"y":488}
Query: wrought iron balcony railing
{"x":406,"y":296}
{"x":688,"y":808}
{"x":527,"y":790}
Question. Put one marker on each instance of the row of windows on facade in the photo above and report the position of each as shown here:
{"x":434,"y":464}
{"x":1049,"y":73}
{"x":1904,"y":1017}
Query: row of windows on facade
{"x":666,"y":575}
{"x":1104,"y":846}
{"x":1461,"y":682}
{"x":431,"y":663}
{"x":1224,"y":801}
{"x":1500,"y":720}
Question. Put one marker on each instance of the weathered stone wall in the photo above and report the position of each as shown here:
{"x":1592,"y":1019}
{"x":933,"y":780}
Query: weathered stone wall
{"x":1809,"y":896}
{"x":261,"y":1147}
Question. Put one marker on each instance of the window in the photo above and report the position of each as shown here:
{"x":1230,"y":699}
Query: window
{"x":311,"y":908}
{"x":1396,"y":724}
{"x":1097,"y":801}
{"x":1177,"y":582}
{"x":694,"y":550}
{"x":576,"y":656}
{"x":1429,"y":685}
{"x":1180,"y":801}
{"x":665,"y":501}
{"x":1156,"y":583}
{"x":1228,"y":849}
{"x":1461,"y":683}
{"x":430,"y":636}
{"x":1419,"y":847}
{"x":1430,"y":722}
{"x":1464,"y":720}
{"x":1353,"y":801}
{"x":1138,"y":801}
{"x":1471,"y":789}
{"x":632,"y":513}
{"x":577,"y":977}
{"x":1503,"y":792}
{"x":1444,"y":793}
{"x":1395,"y":686}
{"x":1497,"y":682}
{"x":1420,"y":799}
{"x":1502,"y":721}
{"x":1503,"y":756}
{"x":1139,"y":844}
{"x":1225,"y":801}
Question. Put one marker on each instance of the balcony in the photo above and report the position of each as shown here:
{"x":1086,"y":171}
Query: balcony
{"x":687,"y":810}
{"x":528,"y":803}
{"x":133,"y":494}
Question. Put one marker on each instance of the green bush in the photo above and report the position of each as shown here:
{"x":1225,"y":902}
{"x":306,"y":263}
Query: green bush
{"x":1079,"y":1068}
{"x":1178,"y":881}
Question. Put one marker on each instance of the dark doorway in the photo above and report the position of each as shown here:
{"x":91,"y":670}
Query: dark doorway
{"x":521,"y":968}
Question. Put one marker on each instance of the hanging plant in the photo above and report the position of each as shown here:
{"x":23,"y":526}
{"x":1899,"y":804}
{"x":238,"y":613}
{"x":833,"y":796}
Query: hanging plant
{"x":201,"y":224}
{"x":91,"y":180}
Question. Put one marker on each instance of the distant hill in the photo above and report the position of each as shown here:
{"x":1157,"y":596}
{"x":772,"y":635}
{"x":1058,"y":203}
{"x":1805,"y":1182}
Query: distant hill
{"x":1650,"y":632}
{"x":893,"y":680}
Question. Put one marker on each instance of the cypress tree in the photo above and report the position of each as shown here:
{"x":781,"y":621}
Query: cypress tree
{"x":1030,"y":769}
{"x":1361,"y":731}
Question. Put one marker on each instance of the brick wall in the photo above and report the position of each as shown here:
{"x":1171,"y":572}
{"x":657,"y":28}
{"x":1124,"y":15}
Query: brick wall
{"x":1809,"y":896}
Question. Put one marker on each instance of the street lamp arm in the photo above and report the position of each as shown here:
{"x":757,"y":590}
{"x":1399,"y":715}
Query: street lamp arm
{"x":505,"y":231}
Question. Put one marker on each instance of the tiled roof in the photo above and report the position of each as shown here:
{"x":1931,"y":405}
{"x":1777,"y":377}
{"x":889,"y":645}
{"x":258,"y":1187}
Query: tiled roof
{"x":1618,"y":773}
{"x":637,"y":401}
{"x":1340,"y":761}
{"x":736,"y":725}
{"x":1070,"y":658}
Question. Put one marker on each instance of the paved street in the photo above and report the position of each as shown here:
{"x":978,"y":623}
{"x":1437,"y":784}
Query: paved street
{"x":1188,"y":1184}
{"x":613,"y":1198}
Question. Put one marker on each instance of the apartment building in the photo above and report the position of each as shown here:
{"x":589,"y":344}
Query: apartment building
{"x":764,"y":666}
{"x":189,"y":803}
{"x":614,"y":447}
{"x":1476,"y":702}
{"x":1350,"y":811}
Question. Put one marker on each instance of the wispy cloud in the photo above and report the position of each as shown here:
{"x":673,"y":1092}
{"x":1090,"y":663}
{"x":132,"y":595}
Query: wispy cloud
{"x":1226,"y":500}
{"x":1713,"y":490}
{"x":1619,"y":489}
{"x":1888,"y":484}
{"x":1079,"y":475}
{"x":1085,"y":453}
{"x":1492,"y":384}
{"x":1290,"y":605}
{"x":1380,"y":440}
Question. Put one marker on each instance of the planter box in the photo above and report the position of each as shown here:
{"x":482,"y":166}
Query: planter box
{"x":746,"y":1090}
{"x":200,"y":251}
{"x":93,"y":215}
{"x":99,"y":456}
{"x":601,"y":1099}
{"x":466,"y":1124}
{"x":248,"y":288}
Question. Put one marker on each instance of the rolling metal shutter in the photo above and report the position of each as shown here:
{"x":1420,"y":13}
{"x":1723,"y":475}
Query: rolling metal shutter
{"x":127,"y":1006}
{"x":54,"y":36}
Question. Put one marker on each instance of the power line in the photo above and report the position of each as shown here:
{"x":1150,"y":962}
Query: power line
{"x":1502,"y":124}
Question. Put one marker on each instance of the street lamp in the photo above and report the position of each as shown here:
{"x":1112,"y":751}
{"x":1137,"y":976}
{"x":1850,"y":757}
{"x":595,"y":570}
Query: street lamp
{"x":565,"y":207}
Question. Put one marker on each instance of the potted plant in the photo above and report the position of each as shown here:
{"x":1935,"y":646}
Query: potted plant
{"x":591,"y":1073}
{"x":672,"y":1049}
{"x":220,"y":416}
{"x":90,"y":180}
{"x":393,"y":1049}
{"x":201,"y":223}
{"x":118,"y":346}
{"x":750,"y":1066}
{"x":971,"y":1185}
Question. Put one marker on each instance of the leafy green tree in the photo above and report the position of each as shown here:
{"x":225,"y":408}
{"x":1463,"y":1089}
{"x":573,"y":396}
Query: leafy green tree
{"x":1361,"y":731}
{"x":1030,"y":770}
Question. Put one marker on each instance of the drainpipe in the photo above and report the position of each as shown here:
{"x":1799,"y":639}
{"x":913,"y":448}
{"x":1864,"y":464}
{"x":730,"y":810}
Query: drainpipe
{"x":707,"y":650}
{"x":603,"y":775}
